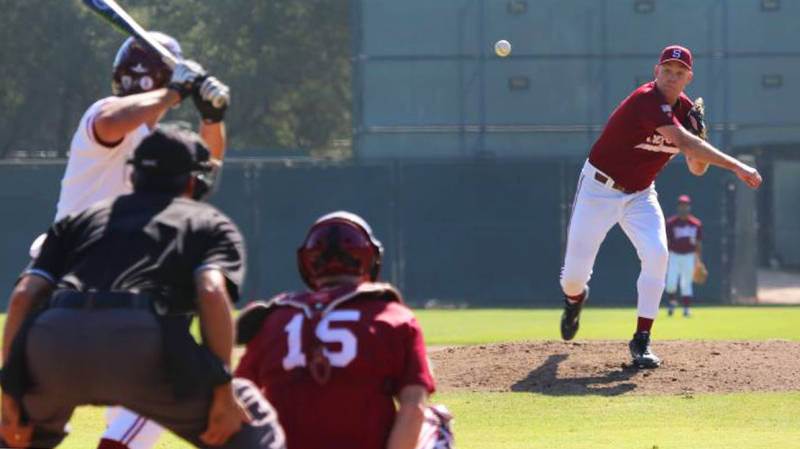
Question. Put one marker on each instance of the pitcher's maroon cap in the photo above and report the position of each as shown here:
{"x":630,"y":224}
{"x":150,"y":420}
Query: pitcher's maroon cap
{"x":677,"y":53}
{"x":684,"y":199}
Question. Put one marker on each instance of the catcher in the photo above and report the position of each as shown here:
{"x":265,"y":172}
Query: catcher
{"x":339,"y":355}
{"x":685,"y":241}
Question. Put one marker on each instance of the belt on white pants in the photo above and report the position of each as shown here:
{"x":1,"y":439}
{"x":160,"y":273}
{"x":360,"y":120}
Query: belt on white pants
{"x":592,"y":172}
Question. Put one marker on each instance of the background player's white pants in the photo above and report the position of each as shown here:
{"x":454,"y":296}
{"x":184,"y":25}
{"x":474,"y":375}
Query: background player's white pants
{"x":131,"y":429}
{"x":681,"y":268}
{"x":597,"y":208}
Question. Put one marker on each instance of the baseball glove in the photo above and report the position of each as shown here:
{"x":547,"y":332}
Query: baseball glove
{"x":697,"y":119}
{"x":700,"y":274}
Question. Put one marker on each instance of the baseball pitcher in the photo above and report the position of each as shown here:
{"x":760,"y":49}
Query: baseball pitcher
{"x":616,"y":186}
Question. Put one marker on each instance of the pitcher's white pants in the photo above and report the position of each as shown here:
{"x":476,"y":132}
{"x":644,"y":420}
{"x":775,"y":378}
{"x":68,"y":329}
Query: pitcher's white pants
{"x":681,"y":268}
{"x":597,"y":208}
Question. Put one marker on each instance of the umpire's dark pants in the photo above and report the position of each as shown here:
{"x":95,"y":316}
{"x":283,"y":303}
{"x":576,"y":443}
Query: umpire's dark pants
{"x":114,"y":357}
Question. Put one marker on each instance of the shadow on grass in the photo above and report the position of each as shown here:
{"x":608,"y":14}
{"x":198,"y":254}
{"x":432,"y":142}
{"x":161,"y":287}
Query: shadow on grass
{"x":545,"y":380}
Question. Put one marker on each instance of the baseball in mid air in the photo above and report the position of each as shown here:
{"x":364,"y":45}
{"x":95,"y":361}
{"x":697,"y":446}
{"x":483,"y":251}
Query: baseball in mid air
{"x":502,"y":48}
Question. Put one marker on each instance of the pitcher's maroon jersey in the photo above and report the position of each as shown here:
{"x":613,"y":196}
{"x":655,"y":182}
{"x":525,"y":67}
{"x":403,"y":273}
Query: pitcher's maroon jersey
{"x":630,"y":150}
{"x":683,"y":235}
{"x":374,"y":347}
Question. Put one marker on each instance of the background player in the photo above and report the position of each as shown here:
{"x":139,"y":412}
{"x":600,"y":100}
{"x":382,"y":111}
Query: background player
{"x":338,"y":355}
{"x":616,"y":185}
{"x":144,"y":89}
{"x":685,"y":242}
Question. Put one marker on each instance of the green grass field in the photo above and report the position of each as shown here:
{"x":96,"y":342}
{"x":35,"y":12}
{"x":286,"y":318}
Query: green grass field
{"x":468,"y":327}
{"x":527,"y":420}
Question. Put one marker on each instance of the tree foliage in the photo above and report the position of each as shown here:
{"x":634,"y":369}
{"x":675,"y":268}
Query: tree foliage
{"x":287,"y":62}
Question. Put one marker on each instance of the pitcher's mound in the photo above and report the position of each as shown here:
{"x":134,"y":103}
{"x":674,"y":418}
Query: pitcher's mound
{"x":603,"y":367}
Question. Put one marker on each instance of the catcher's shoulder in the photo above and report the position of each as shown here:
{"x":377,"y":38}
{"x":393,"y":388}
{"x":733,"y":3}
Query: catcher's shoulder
{"x":381,"y":290}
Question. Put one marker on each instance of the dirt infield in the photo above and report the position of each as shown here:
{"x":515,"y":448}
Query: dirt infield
{"x":603,"y":368}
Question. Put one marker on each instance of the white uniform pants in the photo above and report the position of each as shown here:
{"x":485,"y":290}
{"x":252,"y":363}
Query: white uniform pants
{"x":681,"y":269}
{"x":596,"y":209}
{"x":130,"y":429}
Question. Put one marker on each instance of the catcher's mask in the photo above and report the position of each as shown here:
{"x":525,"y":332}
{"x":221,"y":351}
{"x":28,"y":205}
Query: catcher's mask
{"x":138,"y":69}
{"x":339,"y":245}
{"x":168,"y":157}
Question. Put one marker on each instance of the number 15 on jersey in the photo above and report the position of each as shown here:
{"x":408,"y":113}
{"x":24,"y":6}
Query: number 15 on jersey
{"x":295,"y":358}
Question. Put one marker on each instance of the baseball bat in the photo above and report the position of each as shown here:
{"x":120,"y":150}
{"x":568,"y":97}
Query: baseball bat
{"x":120,"y":19}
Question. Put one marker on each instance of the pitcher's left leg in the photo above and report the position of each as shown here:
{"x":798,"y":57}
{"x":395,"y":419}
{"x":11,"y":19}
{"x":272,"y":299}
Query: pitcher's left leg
{"x":643,"y":223}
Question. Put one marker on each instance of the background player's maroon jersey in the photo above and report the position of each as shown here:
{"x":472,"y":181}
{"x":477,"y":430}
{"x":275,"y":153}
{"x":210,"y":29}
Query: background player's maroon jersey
{"x":375,"y":348}
{"x":630,"y":150}
{"x":683,"y":235}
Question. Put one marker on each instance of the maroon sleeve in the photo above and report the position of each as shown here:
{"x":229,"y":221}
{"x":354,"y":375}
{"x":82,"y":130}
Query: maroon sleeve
{"x":654,"y":111}
{"x":416,"y":370}
{"x":699,"y":231}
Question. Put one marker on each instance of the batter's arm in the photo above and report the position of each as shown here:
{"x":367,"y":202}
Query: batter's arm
{"x":409,"y":419}
{"x":213,"y":134}
{"x":121,"y":115}
{"x":699,"y":150}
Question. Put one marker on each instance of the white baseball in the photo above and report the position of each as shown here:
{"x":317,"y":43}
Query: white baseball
{"x":502,"y":48}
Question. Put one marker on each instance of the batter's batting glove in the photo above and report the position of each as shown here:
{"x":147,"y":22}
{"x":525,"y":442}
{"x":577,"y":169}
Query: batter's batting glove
{"x":212,"y":91}
{"x":186,"y":77}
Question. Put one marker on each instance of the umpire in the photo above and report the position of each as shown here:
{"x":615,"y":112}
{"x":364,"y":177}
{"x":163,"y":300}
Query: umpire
{"x":102,"y":315}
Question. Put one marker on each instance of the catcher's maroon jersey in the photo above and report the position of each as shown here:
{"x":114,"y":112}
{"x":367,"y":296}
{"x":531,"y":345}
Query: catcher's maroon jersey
{"x":374,"y":347}
{"x":683,"y":235}
{"x":630,"y":150}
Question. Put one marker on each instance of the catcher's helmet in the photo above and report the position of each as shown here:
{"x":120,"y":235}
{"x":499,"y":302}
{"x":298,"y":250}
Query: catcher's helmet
{"x":137,"y":69}
{"x":339,"y":244}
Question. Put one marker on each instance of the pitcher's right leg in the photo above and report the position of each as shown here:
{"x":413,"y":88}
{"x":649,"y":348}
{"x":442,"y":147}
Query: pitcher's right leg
{"x":594,"y":212}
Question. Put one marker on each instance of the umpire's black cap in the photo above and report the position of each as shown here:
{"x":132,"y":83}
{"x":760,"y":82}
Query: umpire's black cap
{"x":171,"y":150}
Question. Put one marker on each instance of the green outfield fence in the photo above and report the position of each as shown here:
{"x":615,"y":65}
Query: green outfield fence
{"x":477,"y":232}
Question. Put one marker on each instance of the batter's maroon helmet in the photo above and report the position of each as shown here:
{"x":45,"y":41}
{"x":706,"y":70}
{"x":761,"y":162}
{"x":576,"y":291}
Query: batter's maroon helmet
{"x":339,"y":244}
{"x":137,"y":69}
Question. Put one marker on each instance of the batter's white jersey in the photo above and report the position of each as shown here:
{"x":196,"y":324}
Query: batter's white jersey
{"x":94,"y":171}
